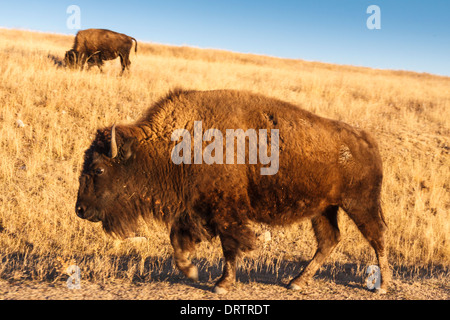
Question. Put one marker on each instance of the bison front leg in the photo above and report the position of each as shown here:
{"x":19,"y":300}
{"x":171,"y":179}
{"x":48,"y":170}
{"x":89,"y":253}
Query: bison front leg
{"x":183,"y":244}
{"x":83,"y":60}
{"x":235,"y":237}
{"x":229,"y":272}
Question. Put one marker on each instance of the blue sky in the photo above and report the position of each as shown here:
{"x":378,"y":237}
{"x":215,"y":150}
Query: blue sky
{"x":414,"y":35}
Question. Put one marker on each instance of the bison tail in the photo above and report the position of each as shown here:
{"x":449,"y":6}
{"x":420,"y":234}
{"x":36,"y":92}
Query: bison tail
{"x":380,"y":211}
{"x":135,"y":47}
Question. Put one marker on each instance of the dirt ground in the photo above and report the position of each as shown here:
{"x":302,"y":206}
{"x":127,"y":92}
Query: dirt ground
{"x":264,"y":288}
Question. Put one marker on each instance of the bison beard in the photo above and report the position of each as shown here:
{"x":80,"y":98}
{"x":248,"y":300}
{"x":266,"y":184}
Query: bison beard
{"x":324,"y":165}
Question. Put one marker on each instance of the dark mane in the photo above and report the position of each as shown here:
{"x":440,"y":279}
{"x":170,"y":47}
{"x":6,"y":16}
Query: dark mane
{"x":171,"y":96}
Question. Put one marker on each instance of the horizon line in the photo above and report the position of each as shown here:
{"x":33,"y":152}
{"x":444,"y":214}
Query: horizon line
{"x":421,"y":73}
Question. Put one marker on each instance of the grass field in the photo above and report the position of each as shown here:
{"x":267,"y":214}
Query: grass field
{"x":40,"y":161}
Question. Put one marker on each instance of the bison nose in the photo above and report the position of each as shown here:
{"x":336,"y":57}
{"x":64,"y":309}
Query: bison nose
{"x":80,"y":210}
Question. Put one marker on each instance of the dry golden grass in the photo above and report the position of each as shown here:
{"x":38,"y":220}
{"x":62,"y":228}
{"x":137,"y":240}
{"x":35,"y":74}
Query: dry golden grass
{"x":409,"y":113}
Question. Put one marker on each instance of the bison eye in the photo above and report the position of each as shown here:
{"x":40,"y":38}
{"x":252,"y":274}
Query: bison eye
{"x":99,"y":171}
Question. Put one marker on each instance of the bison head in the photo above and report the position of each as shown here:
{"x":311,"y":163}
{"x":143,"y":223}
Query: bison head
{"x":107,"y":191}
{"x":71,"y":59}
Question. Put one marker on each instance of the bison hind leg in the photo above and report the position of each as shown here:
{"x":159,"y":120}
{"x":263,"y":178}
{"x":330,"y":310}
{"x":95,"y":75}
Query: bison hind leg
{"x":125,"y":62}
{"x":328,"y":236}
{"x":370,"y":221}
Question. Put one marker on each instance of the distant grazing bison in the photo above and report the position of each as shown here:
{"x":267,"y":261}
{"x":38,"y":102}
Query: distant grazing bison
{"x":97,"y":45}
{"x":133,"y":171}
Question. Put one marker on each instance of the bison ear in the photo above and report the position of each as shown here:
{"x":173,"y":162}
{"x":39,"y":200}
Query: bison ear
{"x":128,"y":149}
{"x":123,"y":150}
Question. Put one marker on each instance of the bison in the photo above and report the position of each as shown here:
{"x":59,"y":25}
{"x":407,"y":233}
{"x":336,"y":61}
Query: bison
{"x":97,"y":45}
{"x":324,"y":165}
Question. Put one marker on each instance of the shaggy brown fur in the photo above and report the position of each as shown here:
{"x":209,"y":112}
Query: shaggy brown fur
{"x":323,"y":165}
{"x":97,"y":45}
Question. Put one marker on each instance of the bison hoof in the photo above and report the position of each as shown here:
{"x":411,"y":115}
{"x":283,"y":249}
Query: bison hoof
{"x":294,"y":287}
{"x":192,"y":273}
{"x":381,"y":291}
{"x":297,"y":285}
{"x":220,"y":290}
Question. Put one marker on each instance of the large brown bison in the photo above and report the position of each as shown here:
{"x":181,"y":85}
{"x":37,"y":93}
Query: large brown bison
{"x":97,"y":45}
{"x":129,"y":172}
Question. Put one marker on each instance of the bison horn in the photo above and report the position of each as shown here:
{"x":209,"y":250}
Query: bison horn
{"x":113,"y":150}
